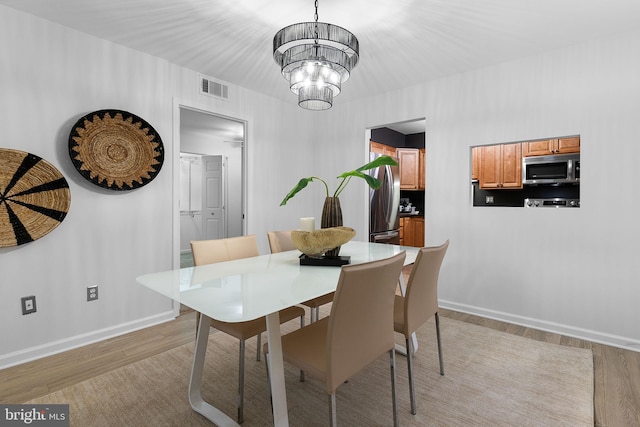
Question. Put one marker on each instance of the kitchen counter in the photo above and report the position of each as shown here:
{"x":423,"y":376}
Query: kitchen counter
{"x":406,"y":214}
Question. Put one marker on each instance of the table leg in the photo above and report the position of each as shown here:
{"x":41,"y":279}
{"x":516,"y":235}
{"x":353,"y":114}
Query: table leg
{"x":198,"y":404}
{"x":414,"y":340}
{"x":276,"y":371}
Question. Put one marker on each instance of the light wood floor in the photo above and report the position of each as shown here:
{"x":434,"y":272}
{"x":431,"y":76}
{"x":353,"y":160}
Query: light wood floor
{"x":616,"y":371}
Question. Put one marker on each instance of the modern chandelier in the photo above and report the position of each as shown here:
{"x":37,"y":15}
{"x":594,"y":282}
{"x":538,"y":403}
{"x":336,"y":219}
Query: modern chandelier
{"x":315,"y":58}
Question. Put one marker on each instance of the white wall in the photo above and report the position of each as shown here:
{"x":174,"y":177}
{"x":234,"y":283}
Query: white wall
{"x":574,"y":270}
{"x":49,"y":77}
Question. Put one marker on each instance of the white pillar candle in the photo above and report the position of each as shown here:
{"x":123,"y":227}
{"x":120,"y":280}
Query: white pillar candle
{"x":308,"y":224}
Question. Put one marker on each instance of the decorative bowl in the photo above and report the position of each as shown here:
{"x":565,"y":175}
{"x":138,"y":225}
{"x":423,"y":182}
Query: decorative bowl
{"x":316,"y":243}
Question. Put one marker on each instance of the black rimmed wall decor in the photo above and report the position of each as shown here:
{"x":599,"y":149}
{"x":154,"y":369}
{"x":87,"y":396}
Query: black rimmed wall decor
{"x":116,"y":150}
{"x":34,"y":197}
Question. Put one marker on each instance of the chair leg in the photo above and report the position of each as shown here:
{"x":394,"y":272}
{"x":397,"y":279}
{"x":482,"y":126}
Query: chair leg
{"x":241,"y":384}
{"x":266,"y":362}
{"x":333,"y":419}
{"x":259,"y":338}
{"x":314,"y":314}
{"x":412,"y":393}
{"x":439,"y":343}
{"x":197,"y":321}
{"x":302,"y":326}
{"x":392,"y":357}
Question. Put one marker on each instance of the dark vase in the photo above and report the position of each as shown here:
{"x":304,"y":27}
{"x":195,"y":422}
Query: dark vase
{"x":331,"y":217}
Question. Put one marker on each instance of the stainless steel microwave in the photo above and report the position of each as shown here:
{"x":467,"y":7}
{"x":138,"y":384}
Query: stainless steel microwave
{"x":553,"y":169}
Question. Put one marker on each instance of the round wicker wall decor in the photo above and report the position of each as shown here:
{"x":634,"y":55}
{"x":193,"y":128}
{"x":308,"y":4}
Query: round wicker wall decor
{"x":115,"y":149}
{"x":34,"y":197}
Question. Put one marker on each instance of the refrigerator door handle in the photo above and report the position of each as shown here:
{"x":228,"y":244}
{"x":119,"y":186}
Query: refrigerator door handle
{"x":394,"y":200}
{"x":386,"y":236}
{"x":389,"y":190}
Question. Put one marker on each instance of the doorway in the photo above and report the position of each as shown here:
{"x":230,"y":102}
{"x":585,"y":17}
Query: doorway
{"x":211,"y":178}
{"x":405,"y":141}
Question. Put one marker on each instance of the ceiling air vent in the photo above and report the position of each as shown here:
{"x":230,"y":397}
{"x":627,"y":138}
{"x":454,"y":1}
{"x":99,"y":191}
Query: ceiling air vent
{"x":213,"y":88}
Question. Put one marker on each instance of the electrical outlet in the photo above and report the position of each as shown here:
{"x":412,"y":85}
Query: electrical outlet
{"x":92,"y":293}
{"x":28,"y":304}
{"x":488,"y":200}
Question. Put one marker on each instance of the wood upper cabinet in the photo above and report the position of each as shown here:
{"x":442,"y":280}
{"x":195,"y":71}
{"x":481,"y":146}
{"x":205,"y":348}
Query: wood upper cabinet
{"x":568,"y":145}
{"x":409,"y":161}
{"x":546,"y":147}
{"x":386,"y":150}
{"x":411,"y":164}
{"x":422,"y":179}
{"x":475,"y":163}
{"x":500,"y":166}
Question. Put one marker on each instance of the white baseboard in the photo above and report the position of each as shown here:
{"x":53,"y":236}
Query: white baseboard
{"x":570,"y":331}
{"x":48,"y":349}
{"x":55,"y":347}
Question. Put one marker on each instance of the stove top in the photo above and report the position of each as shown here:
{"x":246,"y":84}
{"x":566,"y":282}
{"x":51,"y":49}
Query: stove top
{"x":552,"y":203}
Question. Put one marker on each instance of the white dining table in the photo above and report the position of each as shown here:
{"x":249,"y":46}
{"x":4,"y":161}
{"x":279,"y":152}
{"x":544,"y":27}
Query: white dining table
{"x":249,"y":288}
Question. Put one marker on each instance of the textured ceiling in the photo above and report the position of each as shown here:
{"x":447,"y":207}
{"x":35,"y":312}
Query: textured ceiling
{"x":402,"y":42}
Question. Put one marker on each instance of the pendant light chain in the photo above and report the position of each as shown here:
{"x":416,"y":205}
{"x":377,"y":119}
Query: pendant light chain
{"x":315,"y":17}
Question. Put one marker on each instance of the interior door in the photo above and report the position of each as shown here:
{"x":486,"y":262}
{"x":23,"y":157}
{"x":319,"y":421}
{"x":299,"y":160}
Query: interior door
{"x":213,"y":196}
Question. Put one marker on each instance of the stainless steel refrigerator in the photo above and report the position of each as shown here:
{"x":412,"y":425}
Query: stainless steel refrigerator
{"x":384,"y":205}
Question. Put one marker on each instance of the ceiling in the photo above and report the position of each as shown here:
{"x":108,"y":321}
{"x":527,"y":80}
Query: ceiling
{"x":402,"y":42}
{"x":410,"y":127}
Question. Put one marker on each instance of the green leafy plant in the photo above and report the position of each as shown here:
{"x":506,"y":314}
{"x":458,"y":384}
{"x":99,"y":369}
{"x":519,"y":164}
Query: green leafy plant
{"x":345,"y":178}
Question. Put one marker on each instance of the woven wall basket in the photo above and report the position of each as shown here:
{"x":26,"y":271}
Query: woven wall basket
{"x":116,"y":149}
{"x":34,"y":197}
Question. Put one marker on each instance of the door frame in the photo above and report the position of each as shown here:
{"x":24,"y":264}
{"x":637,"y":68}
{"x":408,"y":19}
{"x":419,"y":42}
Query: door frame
{"x":178,"y":105}
{"x":367,"y":138}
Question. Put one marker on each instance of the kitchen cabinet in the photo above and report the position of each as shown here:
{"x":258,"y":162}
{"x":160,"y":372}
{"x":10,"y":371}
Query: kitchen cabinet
{"x":500,"y":166}
{"x":411,"y":164}
{"x":546,"y":147}
{"x":409,"y":161}
{"x":412,"y":231}
{"x":422,"y":179}
{"x":402,"y":231}
{"x":386,"y":150}
{"x":475,"y":163}
{"x":418,"y":231}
